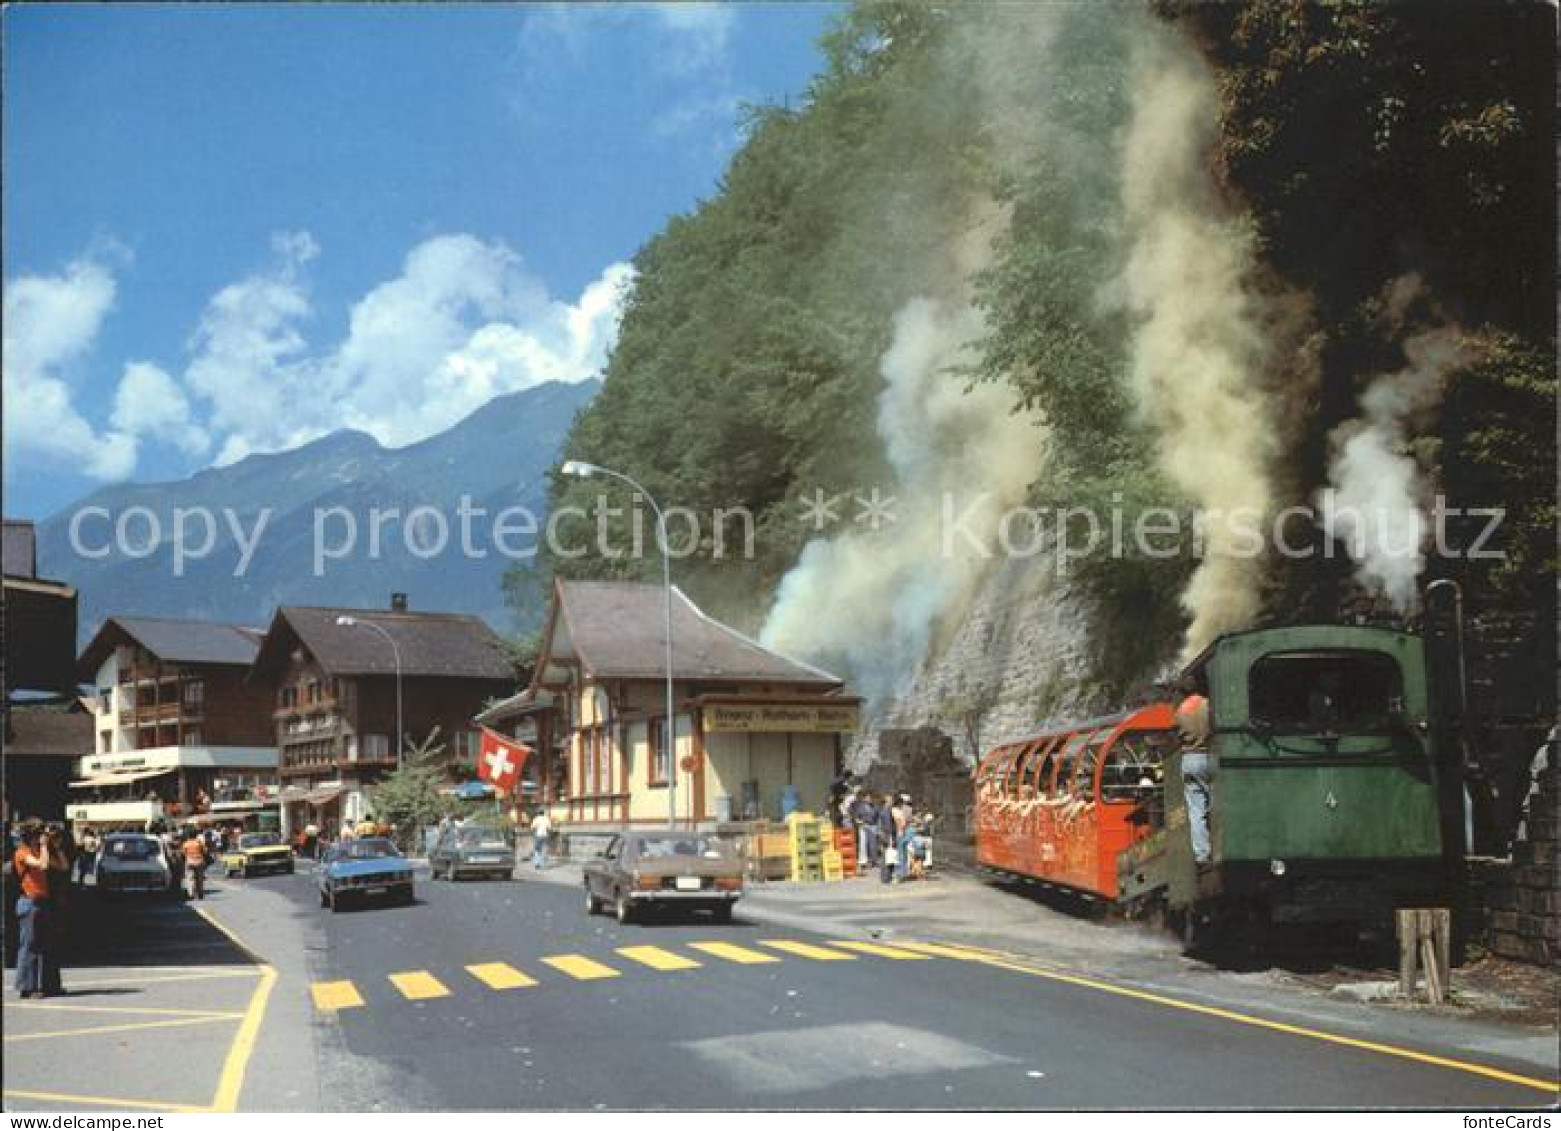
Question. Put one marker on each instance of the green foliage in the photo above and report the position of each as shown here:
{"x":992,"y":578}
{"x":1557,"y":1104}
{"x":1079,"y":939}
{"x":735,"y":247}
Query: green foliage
{"x":408,"y":797}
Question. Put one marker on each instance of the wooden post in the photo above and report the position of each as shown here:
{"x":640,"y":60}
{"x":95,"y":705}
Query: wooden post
{"x":1425,"y":941}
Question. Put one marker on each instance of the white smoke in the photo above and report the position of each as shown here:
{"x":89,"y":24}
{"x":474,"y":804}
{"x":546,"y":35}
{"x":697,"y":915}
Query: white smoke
{"x":870,"y":601}
{"x":1199,"y":351}
{"x":1378,"y":498}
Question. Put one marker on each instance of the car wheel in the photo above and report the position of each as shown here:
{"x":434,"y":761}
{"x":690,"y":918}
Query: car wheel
{"x":624,"y":909}
{"x":722,"y":912}
{"x":335,"y":902}
{"x":324,"y":899}
{"x":592,"y":904}
{"x":288,"y":870}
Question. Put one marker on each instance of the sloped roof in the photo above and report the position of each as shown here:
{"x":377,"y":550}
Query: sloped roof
{"x":431,"y":644}
{"x":48,"y":734}
{"x":616,"y":629}
{"x":173,"y":641}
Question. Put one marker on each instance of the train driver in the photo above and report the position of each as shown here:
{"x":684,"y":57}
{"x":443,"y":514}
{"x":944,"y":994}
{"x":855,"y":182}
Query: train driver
{"x":1192,"y":721}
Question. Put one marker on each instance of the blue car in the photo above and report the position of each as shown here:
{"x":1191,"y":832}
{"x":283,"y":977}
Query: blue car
{"x":364,"y":869}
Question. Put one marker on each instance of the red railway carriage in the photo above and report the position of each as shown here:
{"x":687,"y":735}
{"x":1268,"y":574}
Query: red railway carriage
{"x":1057,"y":806}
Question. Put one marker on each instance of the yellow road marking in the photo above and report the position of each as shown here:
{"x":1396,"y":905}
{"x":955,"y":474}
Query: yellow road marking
{"x":336,"y":995}
{"x":808,"y":950}
{"x":419,"y":985}
{"x":657,"y":959}
{"x":500,"y":976}
{"x":581,"y":967}
{"x":104,"y":1101}
{"x":125,"y":1028}
{"x":733,"y":953}
{"x":148,"y":1010}
{"x":1548,"y":1086}
{"x":942,"y":950}
{"x":878,"y":949}
{"x":231,"y":1083}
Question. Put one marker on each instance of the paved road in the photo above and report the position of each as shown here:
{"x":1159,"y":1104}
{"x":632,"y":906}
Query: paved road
{"x":507,"y":995}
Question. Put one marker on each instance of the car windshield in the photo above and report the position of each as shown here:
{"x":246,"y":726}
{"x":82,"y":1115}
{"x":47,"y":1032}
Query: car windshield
{"x":482,"y":837}
{"x":370,"y":848}
{"x":668,"y":846}
{"x":258,"y":840}
{"x":131,"y":848}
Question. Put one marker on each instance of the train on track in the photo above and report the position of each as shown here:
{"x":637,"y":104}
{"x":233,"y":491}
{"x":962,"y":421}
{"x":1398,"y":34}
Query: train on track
{"x":1329,"y":800}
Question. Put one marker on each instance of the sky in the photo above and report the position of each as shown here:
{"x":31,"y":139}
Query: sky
{"x":233,"y":228}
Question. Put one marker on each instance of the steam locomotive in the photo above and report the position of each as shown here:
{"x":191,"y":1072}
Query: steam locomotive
{"x":1330,"y":802}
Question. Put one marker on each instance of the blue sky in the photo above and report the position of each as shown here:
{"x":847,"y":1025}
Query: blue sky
{"x":233,"y":228}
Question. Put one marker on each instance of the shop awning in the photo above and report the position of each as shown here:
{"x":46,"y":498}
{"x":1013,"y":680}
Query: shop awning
{"x":322,"y":796}
{"x":120,"y":779}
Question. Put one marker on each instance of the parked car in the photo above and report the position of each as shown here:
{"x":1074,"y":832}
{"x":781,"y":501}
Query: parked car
{"x":256,"y":853}
{"x":464,"y":850}
{"x":667,"y":869}
{"x":133,"y":862}
{"x":363,"y":869}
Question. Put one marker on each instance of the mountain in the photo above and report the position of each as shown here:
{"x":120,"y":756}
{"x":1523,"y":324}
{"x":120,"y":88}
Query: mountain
{"x":496,"y":458}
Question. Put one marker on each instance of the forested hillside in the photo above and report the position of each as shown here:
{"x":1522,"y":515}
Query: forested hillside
{"x":1201,"y":256}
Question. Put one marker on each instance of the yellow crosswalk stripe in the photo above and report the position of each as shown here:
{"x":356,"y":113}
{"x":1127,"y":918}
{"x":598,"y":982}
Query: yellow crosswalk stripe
{"x":657,"y":959}
{"x":419,"y":985}
{"x":335,"y":995}
{"x":878,"y":949}
{"x":580,"y":967}
{"x":807,"y":950}
{"x":733,"y":953}
{"x":941,"y":950}
{"x":500,"y":976}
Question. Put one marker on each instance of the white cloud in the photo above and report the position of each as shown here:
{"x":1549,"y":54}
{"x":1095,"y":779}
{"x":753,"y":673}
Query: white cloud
{"x":149,"y":404}
{"x":462,"y":323}
{"x":51,"y":322}
{"x":697,"y":36}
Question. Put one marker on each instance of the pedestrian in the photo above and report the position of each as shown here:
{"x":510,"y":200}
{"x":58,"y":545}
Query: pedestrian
{"x":864,"y":815}
{"x":195,"y":860}
{"x":39,"y":864}
{"x":885,"y":839}
{"x":1192,"y":721}
{"x":904,"y":833}
{"x":88,"y":857}
{"x":541,"y":829}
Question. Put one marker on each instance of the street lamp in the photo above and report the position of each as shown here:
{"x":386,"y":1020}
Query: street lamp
{"x":354,"y":622}
{"x":579,"y":469}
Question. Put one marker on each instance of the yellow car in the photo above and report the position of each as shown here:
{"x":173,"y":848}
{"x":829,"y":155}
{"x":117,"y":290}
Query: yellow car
{"x":256,"y":853}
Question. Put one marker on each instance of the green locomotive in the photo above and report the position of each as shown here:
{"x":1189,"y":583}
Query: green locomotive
{"x":1328,"y":798}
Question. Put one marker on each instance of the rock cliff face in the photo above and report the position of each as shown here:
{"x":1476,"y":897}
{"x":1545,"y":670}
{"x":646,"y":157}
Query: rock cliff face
{"x":1011,"y":662}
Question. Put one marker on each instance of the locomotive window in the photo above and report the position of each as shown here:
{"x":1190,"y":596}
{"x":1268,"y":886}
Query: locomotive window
{"x":1324,"y":692}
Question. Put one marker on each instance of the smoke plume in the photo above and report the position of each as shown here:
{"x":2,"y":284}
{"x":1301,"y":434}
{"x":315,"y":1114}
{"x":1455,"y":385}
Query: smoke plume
{"x":1378,"y":496}
{"x":869,"y":601}
{"x":1199,"y":349}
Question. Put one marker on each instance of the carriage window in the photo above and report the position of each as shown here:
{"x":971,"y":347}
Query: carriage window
{"x":1324,"y":692}
{"x":1018,"y":778}
{"x":1084,"y":772}
{"x":1044,"y":765}
{"x":1066,"y":760}
{"x":1134,"y":766}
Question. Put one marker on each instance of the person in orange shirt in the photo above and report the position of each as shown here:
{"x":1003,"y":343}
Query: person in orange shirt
{"x":195,"y":858}
{"x":40,"y":863}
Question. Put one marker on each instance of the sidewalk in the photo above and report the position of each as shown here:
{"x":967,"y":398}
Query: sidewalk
{"x":960,"y":909}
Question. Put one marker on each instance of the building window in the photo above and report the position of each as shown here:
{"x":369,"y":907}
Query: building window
{"x":467,"y":743}
{"x":191,"y":738}
{"x":660,"y":762}
{"x":194,"y":693}
{"x":289,"y":697}
{"x":314,"y":691}
{"x":376,"y":747}
{"x":105,"y":741}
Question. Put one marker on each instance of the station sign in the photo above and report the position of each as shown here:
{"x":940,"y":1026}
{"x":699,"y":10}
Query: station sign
{"x":780,"y":718}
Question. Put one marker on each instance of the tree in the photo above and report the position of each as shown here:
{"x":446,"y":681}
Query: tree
{"x":408,"y":797}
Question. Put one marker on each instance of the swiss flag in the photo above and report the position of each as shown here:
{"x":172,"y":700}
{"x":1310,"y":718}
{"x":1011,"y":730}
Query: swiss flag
{"x":499,"y":760}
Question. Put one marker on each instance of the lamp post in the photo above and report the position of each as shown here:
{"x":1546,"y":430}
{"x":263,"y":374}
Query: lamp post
{"x":395,"y":652}
{"x":579,"y":469}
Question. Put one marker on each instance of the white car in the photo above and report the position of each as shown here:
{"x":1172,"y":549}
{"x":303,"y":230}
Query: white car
{"x":133,"y":862}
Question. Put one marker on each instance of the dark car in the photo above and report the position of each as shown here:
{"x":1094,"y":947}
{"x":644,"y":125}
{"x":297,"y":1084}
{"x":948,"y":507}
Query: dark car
{"x":364,"y":869}
{"x":467,"y":850}
{"x":670,"y":869}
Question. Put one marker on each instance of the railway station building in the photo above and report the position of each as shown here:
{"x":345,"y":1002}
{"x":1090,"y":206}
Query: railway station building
{"x":754,"y":734}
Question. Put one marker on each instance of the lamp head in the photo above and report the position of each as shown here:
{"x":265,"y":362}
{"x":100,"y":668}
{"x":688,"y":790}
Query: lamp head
{"x":346,"y":622}
{"x":579,"y":469}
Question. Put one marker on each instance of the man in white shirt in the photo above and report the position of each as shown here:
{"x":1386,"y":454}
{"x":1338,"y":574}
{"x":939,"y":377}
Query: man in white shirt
{"x":541,"y":829}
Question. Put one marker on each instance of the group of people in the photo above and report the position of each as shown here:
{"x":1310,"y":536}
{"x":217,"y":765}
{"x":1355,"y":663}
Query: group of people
{"x":893,"y":838}
{"x":312,"y":843}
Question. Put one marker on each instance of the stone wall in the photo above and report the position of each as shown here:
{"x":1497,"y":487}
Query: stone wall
{"x":1010,"y":663}
{"x":1523,"y":898}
